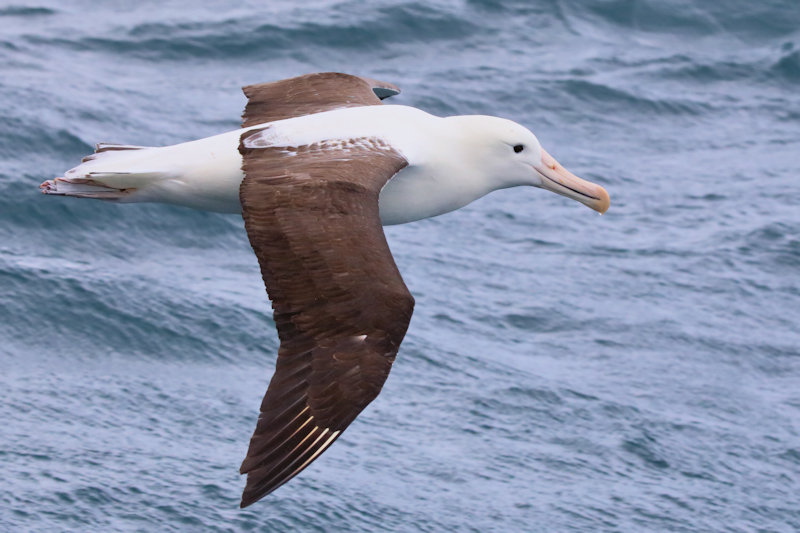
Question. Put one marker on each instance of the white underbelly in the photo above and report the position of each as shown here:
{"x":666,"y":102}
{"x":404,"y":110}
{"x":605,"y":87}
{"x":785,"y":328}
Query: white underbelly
{"x":206,"y":173}
{"x":213,"y":185}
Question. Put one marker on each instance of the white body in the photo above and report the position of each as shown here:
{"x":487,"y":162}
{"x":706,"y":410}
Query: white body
{"x":445,"y":156}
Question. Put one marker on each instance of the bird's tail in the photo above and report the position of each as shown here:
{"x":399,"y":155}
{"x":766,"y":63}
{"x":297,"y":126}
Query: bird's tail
{"x":110,"y":173}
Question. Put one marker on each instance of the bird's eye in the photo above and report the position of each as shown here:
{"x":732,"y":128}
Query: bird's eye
{"x":518,"y":148}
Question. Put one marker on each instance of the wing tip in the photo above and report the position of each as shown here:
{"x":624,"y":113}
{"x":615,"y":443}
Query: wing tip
{"x":256,"y":489}
{"x":247,"y":502}
{"x":382,"y":89}
{"x":252,"y":493}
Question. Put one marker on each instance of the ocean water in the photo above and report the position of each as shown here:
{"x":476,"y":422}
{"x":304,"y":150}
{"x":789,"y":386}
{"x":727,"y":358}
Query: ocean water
{"x":563,"y":371}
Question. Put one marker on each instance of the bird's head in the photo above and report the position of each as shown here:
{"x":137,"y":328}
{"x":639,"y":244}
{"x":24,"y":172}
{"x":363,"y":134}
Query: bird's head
{"x":509,"y":154}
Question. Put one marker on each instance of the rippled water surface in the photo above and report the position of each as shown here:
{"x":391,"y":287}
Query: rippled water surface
{"x":563,"y":371}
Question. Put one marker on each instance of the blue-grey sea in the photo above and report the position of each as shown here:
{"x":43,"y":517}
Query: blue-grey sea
{"x":563,"y":371}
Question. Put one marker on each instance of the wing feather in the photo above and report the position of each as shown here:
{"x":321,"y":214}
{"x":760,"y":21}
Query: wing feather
{"x":311,"y":93}
{"x":340,"y":306}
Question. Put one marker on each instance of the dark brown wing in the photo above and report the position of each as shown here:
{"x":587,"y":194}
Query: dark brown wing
{"x":312,"y":93}
{"x":340,"y":305}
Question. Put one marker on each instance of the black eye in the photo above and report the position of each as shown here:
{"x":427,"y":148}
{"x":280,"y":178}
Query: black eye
{"x":518,"y":148}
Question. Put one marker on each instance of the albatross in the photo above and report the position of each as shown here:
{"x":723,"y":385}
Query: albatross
{"x":319,"y":165}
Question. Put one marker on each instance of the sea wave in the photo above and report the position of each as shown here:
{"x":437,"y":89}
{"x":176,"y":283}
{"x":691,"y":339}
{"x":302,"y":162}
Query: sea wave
{"x":562,"y":371}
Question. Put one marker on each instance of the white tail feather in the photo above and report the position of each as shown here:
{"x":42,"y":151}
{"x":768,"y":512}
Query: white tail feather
{"x":82,"y":188}
{"x":203,"y":174}
{"x":103,"y":175}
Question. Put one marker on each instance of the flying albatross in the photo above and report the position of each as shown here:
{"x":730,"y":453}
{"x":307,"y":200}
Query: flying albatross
{"x":317,"y":167}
